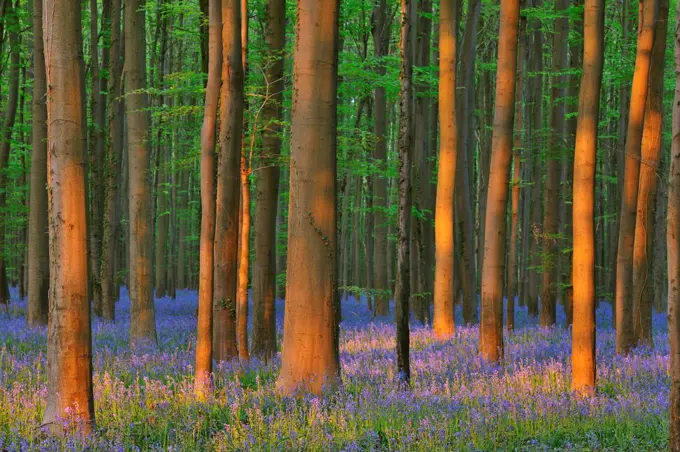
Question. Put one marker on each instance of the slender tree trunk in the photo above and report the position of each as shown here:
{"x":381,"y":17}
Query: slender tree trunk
{"x":650,"y":150}
{"x":6,"y":138}
{"x":69,"y":341}
{"x":585,"y":153}
{"x":142,"y":315}
{"x":625,"y":337}
{"x":310,"y":354}
{"x":491,"y":332}
{"x":205,"y":285}
{"x":228,"y":181}
{"x":516,"y":180}
{"x":402,"y":288}
{"x":555,"y":148}
{"x":673,"y":238}
{"x":466,"y":144}
{"x":267,"y":195}
{"x":444,"y":295}
{"x":38,"y":241}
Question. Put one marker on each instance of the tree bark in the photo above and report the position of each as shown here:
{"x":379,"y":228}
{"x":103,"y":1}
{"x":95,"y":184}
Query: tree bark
{"x":310,"y":356}
{"x":625,"y":335}
{"x":142,"y":315}
{"x":585,"y":153}
{"x":444,"y":296}
{"x":38,"y":239}
{"x":228,"y":181}
{"x":650,"y":151}
{"x":673,"y":238}
{"x":491,"y":331}
{"x":69,"y":341}
{"x":205,"y":286}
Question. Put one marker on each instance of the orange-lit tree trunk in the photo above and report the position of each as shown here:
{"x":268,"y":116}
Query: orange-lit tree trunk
{"x":267,"y":197}
{"x":402,"y":286}
{"x":38,"y":243}
{"x":583,"y":329}
{"x":448,"y":143}
{"x":491,"y":331}
{"x":558,"y":112}
{"x":244,"y":230}
{"x":142,"y":315}
{"x":516,"y":180}
{"x":381,"y":28}
{"x":673,"y":238}
{"x":69,"y":339}
{"x":650,"y":150}
{"x":625,"y":337}
{"x":310,"y":354}
{"x":228,"y":182}
{"x":205,"y":284}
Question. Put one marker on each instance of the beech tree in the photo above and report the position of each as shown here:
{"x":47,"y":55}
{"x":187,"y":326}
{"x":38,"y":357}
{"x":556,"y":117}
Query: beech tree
{"x":69,"y":339}
{"x":310,"y":355}
{"x":491,"y":327}
{"x":583,"y":329}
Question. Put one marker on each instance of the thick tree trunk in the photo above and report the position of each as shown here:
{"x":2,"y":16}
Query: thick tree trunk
{"x":69,"y":341}
{"x":310,"y":354}
{"x":206,"y":258}
{"x":142,"y":315}
{"x":650,"y":151}
{"x":444,"y":295}
{"x":673,"y":238}
{"x":228,"y":181}
{"x":267,"y":195}
{"x":625,"y":335}
{"x":491,"y":331}
{"x":38,"y":241}
{"x":583,"y":330}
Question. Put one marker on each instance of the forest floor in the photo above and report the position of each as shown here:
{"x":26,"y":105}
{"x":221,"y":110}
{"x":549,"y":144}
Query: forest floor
{"x":144,"y":398}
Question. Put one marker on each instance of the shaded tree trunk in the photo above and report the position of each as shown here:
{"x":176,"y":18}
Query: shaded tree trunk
{"x":38,"y":241}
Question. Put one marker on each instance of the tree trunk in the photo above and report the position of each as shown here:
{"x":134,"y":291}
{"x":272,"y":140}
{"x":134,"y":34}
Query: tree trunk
{"x":516,"y":180}
{"x":38,"y":241}
{"x":583,"y":329}
{"x":444,"y":296}
{"x":205,"y":285}
{"x":466,"y":144}
{"x":491,"y":331}
{"x":267,"y":197}
{"x":625,"y":335}
{"x":310,"y":354}
{"x":558,"y":112}
{"x":228,"y":181}
{"x":142,"y":315}
{"x":673,"y":238}
{"x":650,"y":151}
{"x":69,"y":341}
